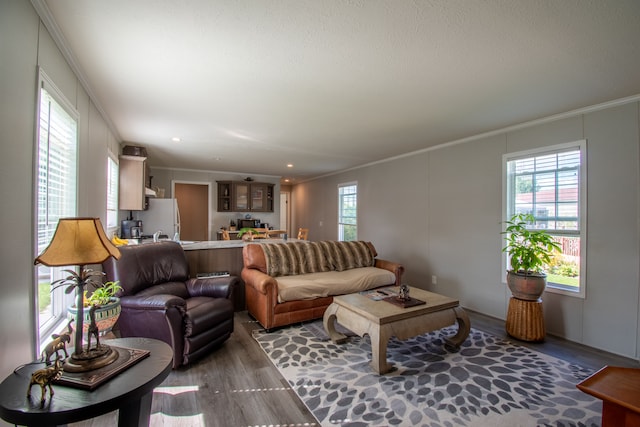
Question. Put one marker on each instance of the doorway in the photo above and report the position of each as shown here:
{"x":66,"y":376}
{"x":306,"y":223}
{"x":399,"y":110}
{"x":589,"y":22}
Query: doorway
{"x":284,"y":211}
{"x":193,"y":204}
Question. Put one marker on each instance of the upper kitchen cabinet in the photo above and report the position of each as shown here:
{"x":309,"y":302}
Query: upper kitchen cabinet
{"x":242,"y":196}
{"x":261,"y":197}
{"x":224,"y":196}
{"x":133,"y":176}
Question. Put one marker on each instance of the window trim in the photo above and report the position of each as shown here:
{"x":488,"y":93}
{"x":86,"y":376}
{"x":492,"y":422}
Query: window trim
{"x":580,"y":145}
{"x":340,"y":223}
{"x":43,"y":335}
{"x":114,"y":228}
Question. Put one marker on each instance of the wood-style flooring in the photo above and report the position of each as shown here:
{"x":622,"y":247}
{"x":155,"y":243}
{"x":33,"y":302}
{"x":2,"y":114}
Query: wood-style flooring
{"x":237,"y":386}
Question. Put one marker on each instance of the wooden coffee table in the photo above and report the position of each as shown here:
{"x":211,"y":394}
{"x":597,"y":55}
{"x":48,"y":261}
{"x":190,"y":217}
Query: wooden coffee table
{"x":382,"y":320}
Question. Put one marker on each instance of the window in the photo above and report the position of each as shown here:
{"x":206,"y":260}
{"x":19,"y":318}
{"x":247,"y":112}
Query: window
{"x":550,"y":184}
{"x":112,"y":195}
{"x":57,"y":140}
{"x":347,"y":215}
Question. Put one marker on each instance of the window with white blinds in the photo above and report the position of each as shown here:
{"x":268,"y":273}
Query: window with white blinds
{"x":57,"y":140}
{"x":347,"y":212}
{"x":550,"y":185}
{"x":112,"y":195}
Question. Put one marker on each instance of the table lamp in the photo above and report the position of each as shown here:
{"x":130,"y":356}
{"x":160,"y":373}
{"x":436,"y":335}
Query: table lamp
{"x":81,"y":241}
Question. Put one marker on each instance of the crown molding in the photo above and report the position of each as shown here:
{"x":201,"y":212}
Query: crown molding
{"x":553,"y":118}
{"x":51,"y":25}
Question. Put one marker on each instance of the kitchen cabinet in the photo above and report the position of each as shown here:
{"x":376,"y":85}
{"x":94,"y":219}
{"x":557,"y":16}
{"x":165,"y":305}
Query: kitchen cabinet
{"x":133,"y":176}
{"x":243,"y":196}
{"x":224,"y":196}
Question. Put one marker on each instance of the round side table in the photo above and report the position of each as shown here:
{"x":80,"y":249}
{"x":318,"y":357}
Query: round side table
{"x":130,"y":392}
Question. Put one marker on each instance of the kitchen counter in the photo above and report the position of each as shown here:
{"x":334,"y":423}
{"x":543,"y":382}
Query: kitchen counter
{"x":223,"y":244}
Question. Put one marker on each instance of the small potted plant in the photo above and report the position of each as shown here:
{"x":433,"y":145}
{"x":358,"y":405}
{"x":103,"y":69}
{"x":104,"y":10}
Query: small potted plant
{"x":247,"y":232}
{"x":530,"y":252}
{"x":107,"y":306}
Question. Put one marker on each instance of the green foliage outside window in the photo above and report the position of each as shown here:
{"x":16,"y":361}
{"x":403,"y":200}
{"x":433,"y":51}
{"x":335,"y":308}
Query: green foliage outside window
{"x":350,"y":233}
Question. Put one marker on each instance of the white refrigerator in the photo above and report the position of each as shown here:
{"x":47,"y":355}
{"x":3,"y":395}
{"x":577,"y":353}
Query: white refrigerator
{"x":163,"y":215}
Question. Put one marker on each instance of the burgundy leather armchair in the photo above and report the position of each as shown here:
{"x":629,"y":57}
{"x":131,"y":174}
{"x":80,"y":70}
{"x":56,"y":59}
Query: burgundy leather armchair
{"x":160,"y":301}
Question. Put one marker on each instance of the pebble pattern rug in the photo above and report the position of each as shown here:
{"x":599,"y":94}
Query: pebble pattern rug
{"x":489,"y":382}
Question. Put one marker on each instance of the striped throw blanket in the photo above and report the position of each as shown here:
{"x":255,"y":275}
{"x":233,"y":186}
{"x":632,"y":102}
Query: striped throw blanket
{"x":287,"y":259}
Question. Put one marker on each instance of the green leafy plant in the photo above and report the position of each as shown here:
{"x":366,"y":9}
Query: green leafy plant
{"x":103,"y":291}
{"x":102,"y":294}
{"x":245,"y":230}
{"x":530,"y":251}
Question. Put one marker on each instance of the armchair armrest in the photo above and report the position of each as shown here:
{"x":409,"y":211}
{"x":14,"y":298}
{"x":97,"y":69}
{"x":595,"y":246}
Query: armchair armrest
{"x":394,"y":267}
{"x":215,"y":287}
{"x":152,"y":302}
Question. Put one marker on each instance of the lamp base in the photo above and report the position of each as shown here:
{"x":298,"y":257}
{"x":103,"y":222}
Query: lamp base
{"x":91,"y":359}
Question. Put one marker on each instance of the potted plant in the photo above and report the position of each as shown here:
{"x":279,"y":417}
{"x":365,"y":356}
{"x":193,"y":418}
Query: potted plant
{"x":247,"y":232}
{"x":107,"y":306}
{"x":530,"y":252}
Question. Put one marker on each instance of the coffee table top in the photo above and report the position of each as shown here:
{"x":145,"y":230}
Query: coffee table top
{"x":382,"y":312}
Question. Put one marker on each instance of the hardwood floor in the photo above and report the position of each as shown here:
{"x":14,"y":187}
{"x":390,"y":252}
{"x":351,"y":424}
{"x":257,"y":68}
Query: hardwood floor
{"x":238,"y":386}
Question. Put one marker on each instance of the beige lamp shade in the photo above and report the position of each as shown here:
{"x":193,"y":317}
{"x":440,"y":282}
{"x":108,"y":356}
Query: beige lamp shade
{"x":78,"y":241}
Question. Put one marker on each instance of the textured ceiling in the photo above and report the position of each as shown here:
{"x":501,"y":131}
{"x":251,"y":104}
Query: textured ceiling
{"x":250,"y":86}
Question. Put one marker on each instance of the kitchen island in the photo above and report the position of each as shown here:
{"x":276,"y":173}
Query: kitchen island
{"x":222,"y":255}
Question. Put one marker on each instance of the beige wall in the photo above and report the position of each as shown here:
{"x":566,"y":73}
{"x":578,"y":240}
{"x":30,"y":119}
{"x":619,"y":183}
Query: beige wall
{"x":439,"y":211}
{"x":26,"y":44}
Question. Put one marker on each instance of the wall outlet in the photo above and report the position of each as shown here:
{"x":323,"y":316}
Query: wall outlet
{"x":321,"y":223}
{"x":434,"y":280}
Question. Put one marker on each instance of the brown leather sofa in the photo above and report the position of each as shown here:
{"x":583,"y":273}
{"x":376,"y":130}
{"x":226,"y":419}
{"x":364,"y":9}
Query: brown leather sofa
{"x":261,"y":288}
{"x":159,"y":300}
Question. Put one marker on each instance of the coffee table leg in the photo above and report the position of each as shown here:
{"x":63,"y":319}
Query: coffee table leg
{"x":379,"y":338}
{"x":329,"y":322}
{"x":464,"y":327}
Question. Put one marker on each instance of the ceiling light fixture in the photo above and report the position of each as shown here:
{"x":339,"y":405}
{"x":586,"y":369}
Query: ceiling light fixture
{"x":290,"y":165}
{"x":176,"y":139}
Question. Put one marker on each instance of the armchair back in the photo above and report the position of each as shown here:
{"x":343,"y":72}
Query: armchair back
{"x":143,"y":266}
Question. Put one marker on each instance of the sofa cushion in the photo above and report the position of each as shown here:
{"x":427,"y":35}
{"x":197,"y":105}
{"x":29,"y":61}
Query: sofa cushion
{"x":330,"y":283}
{"x":348,"y":255}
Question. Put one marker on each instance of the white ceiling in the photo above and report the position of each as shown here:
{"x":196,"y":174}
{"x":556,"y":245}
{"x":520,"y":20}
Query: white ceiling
{"x":251,"y":85}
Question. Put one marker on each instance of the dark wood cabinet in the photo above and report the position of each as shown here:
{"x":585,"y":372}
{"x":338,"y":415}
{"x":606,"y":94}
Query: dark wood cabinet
{"x":224,"y":196}
{"x":243,"y":196}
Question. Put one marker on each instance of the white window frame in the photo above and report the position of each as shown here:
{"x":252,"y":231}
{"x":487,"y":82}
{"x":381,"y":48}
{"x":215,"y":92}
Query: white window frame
{"x":113,"y":177}
{"x":57,"y":310}
{"x":341,"y":216}
{"x":580,"y":145}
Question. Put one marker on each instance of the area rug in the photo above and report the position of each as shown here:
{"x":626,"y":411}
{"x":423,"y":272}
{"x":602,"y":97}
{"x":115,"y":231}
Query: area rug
{"x":490,"y":381}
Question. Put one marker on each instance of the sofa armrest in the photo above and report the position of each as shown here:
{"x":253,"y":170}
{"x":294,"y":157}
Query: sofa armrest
{"x":159,"y":302}
{"x":394,"y":267}
{"x":261,"y":282}
{"x":215,"y":287}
